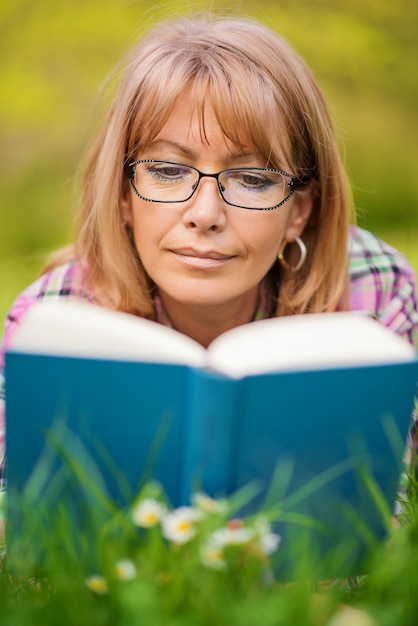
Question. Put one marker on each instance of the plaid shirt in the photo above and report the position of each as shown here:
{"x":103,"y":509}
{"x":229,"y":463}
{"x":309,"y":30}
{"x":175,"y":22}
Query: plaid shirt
{"x":382,"y":284}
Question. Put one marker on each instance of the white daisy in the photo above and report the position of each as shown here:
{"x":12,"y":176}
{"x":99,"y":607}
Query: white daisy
{"x":267,"y":540}
{"x":125,"y":570}
{"x":212,"y":557}
{"x":350,"y":616}
{"x":98,"y":584}
{"x":209,"y":505}
{"x":269,"y":543}
{"x":179,"y":526}
{"x":231,"y":536}
{"x":147,"y":513}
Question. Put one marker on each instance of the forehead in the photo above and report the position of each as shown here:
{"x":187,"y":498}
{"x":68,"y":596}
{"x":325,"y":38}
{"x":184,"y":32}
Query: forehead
{"x":199,"y":118}
{"x":192,"y":130}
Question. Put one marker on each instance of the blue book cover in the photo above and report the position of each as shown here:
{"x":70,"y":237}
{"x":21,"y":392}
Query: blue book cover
{"x":305,"y":432}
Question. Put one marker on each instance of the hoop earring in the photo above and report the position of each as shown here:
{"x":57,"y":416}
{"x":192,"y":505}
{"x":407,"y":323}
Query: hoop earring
{"x":302,"y":259}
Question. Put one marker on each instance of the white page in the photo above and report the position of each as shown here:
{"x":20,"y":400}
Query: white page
{"x":307,"y":342}
{"x":74,"y":328}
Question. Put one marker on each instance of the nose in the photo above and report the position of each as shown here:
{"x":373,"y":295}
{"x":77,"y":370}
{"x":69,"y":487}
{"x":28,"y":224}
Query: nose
{"x":205,"y":210}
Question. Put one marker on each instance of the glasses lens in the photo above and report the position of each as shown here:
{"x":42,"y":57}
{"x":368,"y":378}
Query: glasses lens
{"x":165,"y":182}
{"x":254,"y":188}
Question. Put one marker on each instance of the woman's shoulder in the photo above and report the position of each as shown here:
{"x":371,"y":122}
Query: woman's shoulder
{"x":65,"y":281}
{"x":383,"y":283}
{"x":371,"y":254}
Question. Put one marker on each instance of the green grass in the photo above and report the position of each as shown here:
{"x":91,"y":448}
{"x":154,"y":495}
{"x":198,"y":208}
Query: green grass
{"x":106,"y":568}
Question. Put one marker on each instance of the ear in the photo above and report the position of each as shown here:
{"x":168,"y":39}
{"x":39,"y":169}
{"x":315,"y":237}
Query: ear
{"x":126,"y":208}
{"x":299,"y":214}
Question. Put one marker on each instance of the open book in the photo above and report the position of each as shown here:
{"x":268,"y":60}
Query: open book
{"x":315,"y":341}
{"x":304,"y":402}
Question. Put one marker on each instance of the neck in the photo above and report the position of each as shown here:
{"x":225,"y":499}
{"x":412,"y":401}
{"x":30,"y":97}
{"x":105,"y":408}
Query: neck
{"x":204,"y":323}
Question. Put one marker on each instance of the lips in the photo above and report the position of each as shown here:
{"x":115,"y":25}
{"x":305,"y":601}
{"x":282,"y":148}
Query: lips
{"x":202,"y":254}
{"x":201,"y":260}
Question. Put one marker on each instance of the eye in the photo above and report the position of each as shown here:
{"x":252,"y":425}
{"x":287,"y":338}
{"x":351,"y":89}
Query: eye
{"x":255,"y":180}
{"x":251,"y":180}
{"x":168,"y":172}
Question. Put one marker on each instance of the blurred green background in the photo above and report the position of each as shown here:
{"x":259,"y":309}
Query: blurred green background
{"x":56,"y":55}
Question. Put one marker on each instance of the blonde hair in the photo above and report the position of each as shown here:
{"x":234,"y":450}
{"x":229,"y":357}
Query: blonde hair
{"x":259,"y":88}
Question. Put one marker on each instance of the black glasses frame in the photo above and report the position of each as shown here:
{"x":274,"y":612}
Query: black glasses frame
{"x":293,"y":184}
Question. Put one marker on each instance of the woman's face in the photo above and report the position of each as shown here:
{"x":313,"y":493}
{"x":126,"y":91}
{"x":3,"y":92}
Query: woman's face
{"x":204,"y":252}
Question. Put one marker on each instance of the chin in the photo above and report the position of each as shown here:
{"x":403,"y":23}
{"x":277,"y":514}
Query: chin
{"x":203,"y":298}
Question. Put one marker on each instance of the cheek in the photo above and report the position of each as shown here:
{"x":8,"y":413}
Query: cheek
{"x":149,"y":227}
{"x":263,"y":238}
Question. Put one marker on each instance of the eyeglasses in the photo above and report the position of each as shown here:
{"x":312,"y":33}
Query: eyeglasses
{"x":254,"y":188}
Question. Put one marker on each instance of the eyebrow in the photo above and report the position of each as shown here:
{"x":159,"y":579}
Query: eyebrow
{"x":192,"y":154}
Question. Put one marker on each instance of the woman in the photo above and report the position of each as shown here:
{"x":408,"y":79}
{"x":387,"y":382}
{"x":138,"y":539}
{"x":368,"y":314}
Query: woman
{"x":214,"y":195}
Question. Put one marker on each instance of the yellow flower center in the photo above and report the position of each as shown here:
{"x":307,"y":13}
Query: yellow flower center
{"x":184,"y":526}
{"x":151,"y":518}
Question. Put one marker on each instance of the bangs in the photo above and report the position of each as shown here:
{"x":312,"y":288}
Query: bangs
{"x":246,"y":104}
{"x":248,"y":114}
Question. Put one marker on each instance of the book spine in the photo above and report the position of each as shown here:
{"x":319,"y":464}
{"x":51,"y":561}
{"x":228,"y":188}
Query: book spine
{"x":210,"y":434}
